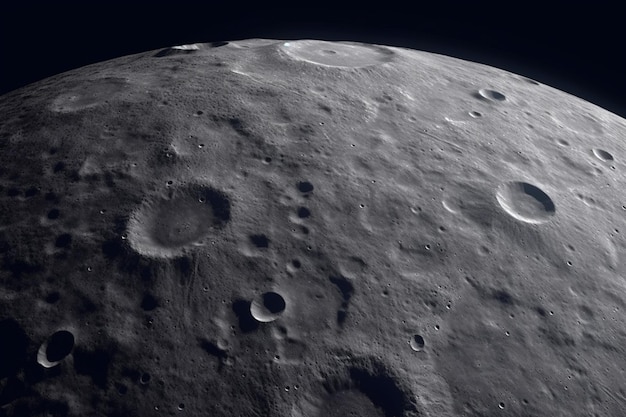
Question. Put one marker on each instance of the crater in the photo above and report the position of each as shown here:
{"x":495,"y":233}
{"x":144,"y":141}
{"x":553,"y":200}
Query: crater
{"x":417,"y":343}
{"x":305,"y":186}
{"x":491,"y":95}
{"x":602,"y":155}
{"x":364,"y":388}
{"x":163,"y":227}
{"x":178,"y":50}
{"x":337,"y":54}
{"x":267,"y":307}
{"x":55,"y":349}
{"x":95,"y":93}
{"x":525,"y":202}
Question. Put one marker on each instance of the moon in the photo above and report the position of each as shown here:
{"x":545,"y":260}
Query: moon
{"x":309,"y":228}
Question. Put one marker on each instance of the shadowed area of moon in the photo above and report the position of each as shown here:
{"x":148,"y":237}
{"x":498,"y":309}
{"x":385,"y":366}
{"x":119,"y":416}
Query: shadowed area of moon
{"x":337,"y":54}
{"x":303,"y":228}
{"x":525,"y":202}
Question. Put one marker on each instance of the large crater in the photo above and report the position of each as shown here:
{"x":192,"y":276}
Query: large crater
{"x":163,"y":227}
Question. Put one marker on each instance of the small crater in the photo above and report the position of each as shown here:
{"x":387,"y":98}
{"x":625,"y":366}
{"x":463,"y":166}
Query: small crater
{"x":260,"y":241}
{"x":267,"y":307}
{"x":490,"y":95}
{"x":417,"y":343}
{"x":164,"y":227}
{"x":602,"y":155}
{"x":304,"y":212}
{"x":55,"y":349}
{"x":54,"y":214}
{"x":305,"y":187}
{"x":145,"y":378}
{"x":475,"y":114}
{"x":525,"y":202}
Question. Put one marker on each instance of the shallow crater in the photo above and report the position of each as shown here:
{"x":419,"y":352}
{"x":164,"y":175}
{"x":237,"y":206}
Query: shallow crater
{"x":337,"y":54}
{"x":163,"y":227}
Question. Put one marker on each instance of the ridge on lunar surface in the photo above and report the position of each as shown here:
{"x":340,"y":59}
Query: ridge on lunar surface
{"x":308,"y":228}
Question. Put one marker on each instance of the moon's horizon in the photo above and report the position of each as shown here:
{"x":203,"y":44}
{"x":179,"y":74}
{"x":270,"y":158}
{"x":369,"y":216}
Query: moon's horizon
{"x":309,"y":228}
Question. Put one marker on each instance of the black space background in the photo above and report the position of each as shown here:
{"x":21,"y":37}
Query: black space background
{"x":578,"y":48}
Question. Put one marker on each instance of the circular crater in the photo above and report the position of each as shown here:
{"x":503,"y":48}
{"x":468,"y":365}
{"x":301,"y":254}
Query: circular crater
{"x":55,"y":349}
{"x":491,"y":95}
{"x":417,"y":343}
{"x":337,"y":54}
{"x":163,"y":227}
{"x":267,"y":307}
{"x":365,"y":387}
{"x":525,"y":202}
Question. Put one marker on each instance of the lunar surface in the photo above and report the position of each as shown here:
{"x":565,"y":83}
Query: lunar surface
{"x":307,"y":228}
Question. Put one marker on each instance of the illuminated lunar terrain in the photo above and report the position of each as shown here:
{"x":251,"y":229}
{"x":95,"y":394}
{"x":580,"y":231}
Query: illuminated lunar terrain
{"x":309,"y":229}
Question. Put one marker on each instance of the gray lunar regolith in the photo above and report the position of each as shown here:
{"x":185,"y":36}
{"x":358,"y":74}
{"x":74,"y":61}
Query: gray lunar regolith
{"x":309,"y":229}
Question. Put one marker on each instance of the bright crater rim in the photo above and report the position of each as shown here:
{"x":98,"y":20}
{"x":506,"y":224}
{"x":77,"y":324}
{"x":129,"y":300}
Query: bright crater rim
{"x":337,"y":54}
{"x":525,"y":202}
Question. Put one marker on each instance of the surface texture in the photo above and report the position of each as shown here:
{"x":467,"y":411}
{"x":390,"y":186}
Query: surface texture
{"x":309,"y":228}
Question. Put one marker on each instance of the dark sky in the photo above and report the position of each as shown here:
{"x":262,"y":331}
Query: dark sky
{"x":576,"y":48}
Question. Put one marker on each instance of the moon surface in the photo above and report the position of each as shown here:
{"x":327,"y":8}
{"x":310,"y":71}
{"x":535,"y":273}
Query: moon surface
{"x":308,"y":228}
